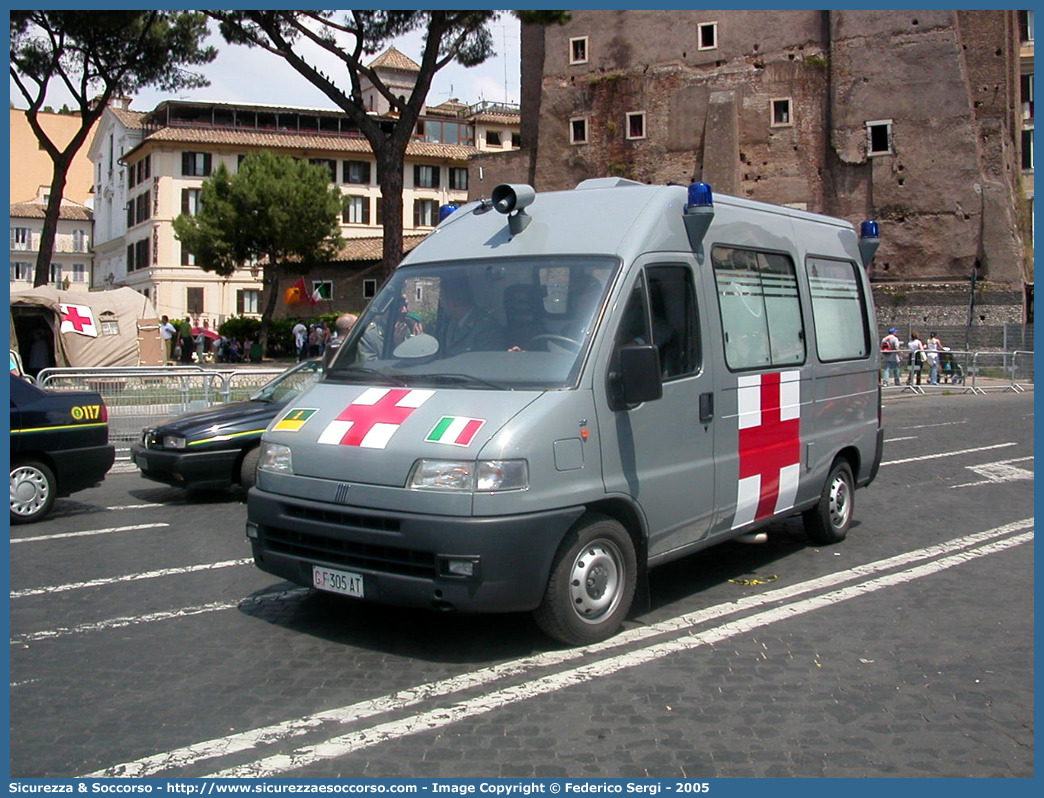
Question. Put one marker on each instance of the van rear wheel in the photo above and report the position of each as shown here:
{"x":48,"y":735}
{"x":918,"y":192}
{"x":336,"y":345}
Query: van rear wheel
{"x":829,"y":520}
{"x":33,"y":490}
{"x":592,"y":583}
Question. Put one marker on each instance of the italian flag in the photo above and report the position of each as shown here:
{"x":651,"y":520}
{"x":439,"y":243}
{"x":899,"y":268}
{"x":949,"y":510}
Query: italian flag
{"x":455,"y":430}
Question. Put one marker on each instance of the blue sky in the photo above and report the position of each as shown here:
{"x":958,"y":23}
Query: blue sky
{"x":241,"y":74}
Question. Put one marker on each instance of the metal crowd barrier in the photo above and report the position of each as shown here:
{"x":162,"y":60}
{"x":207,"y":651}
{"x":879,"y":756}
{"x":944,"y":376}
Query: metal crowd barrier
{"x":967,"y":372}
{"x":137,"y":397}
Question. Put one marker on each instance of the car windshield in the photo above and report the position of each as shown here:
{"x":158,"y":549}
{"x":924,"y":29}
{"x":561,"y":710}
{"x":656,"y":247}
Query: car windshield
{"x":290,"y":383}
{"x":504,"y":324}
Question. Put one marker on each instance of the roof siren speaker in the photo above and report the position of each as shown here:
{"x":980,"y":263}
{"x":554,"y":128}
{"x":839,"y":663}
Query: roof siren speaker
{"x":512,"y":199}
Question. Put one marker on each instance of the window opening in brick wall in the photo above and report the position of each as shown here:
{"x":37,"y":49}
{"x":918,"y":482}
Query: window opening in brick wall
{"x":636,"y":125}
{"x":707,"y":35}
{"x":781,"y":112}
{"x":578,"y":130}
{"x":578,"y":50}
{"x":879,"y":137}
{"x":369,"y":289}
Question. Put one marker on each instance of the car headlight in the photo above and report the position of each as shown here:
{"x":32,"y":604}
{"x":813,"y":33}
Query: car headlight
{"x":275,"y":457}
{"x":173,"y":441}
{"x":485,"y":476}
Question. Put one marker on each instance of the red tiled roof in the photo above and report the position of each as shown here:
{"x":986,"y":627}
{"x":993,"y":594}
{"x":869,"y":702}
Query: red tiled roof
{"x":393,"y":59}
{"x":132,"y":120}
{"x":363,"y":249}
{"x":71,"y":211}
{"x":288,"y":140}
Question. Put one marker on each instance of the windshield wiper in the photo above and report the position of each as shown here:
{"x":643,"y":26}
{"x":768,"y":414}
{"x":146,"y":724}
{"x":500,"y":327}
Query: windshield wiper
{"x":349,"y":372}
{"x":457,"y":379}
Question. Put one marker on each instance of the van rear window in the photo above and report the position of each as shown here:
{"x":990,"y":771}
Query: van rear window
{"x":761,"y":318}
{"x":838,"y":310}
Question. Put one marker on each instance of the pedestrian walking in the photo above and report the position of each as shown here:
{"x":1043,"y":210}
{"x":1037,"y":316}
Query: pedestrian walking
{"x":170,"y":337}
{"x":890,"y":346}
{"x":917,"y":359}
{"x":185,"y":341}
{"x":934,"y":347}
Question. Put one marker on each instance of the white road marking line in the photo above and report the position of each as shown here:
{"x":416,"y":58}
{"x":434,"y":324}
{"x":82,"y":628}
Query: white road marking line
{"x":188,"y":569}
{"x":939,"y":424}
{"x":444,"y":716}
{"x":896,"y":440}
{"x":133,"y":506}
{"x":166,"y":615}
{"x":403,"y":699}
{"x":948,"y":454}
{"x":998,"y":472}
{"x":87,"y":533}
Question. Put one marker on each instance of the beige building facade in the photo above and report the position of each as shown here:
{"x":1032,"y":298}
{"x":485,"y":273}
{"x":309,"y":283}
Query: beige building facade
{"x":32,"y":168}
{"x":71,"y":256}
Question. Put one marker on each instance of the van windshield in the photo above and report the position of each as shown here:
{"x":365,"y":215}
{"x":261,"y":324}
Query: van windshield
{"x":503,"y":324}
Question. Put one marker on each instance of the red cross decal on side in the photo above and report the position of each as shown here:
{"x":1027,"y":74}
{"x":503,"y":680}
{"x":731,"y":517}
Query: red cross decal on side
{"x":372,"y":419}
{"x":769,"y":445}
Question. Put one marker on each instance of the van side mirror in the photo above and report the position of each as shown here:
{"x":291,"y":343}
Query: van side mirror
{"x":639,"y":377}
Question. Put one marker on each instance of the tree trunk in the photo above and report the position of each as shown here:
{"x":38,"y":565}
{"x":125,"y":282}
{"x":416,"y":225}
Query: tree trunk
{"x":270,"y":278}
{"x":42,"y":275}
{"x":390,"y":179}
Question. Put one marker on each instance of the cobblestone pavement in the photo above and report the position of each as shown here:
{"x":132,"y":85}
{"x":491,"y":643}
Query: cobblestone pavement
{"x":144,"y":642}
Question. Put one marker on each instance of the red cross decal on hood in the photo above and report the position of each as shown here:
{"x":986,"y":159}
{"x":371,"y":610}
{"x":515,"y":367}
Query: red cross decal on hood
{"x":374,"y":416}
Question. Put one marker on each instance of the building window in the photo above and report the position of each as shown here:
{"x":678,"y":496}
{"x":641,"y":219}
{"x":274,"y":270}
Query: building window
{"x":1026,"y":26}
{"x":143,"y":207}
{"x":187,"y":258}
{"x":426,"y":176}
{"x":1027,"y":149}
{"x":494,"y":139}
{"x":322,"y":289}
{"x":578,"y":130}
{"x":356,"y":210}
{"x":356,"y":172}
{"x":56,"y":274}
{"x":79,"y":274}
{"x":79,"y":241}
{"x":781,"y":113}
{"x":331,"y":166}
{"x":195,"y":164}
{"x":21,"y":272}
{"x":1027,"y":97}
{"x":130,"y":258}
{"x":458,"y":178}
{"x":425,"y":213}
{"x":707,"y":35}
{"x":190,"y":198}
{"x":636,"y":125}
{"x":194,"y":300}
{"x":21,"y":238}
{"x":369,"y":289}
{"x":141,"y":171}
{"x":248,"y":300}
{"x":879,"y":137}
{"x":578,"y":50}
{"x":141,"y":254}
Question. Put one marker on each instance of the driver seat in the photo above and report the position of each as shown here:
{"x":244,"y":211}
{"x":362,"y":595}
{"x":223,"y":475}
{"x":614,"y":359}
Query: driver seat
{"x":524,"y":313}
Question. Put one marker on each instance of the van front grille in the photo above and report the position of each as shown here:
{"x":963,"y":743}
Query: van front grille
{"x":318,"y":547}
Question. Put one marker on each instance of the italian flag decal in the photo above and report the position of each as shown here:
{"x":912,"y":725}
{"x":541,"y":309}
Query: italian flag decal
{"x":455,"y":430}
{"x":372,"y":419}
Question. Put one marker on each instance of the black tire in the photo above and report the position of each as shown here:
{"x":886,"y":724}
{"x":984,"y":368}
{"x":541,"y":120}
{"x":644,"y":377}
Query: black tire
{"x":248,"y":468}
{"x":828,"y":521}
{"x":33,"y":490}
{"x":592,"y":583}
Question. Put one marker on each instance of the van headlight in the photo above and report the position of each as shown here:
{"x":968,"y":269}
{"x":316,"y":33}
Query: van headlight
{"x":173,"y":441}
{"x":484,"y":476}
{"x":275,"y":457}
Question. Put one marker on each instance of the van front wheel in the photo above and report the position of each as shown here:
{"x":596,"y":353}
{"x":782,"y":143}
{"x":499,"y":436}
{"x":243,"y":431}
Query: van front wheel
{"x":592,"y":583}
{"x":829,"y":520}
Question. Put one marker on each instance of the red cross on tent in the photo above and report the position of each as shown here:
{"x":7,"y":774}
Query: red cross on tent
{"x":769,"y":445}
{"x":372,"y":419}
{"x":80,"y":319}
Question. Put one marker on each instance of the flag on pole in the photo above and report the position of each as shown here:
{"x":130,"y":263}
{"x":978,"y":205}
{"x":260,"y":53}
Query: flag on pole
{"x":296,"y":292}
{"x":322,"y":291}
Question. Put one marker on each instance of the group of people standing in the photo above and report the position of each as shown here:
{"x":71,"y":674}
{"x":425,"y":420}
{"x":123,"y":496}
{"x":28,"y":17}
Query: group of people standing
{"x":920,"y":354}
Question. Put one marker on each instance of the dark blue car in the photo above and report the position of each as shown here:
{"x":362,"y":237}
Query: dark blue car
{"x":217,"y":448}
{"x":59,"y":445}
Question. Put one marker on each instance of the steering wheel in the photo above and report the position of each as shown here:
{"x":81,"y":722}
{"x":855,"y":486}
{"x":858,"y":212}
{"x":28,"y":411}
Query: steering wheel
{"x":569,"y":343}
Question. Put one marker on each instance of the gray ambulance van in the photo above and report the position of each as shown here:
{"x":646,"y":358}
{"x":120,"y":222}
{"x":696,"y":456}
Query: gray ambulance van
{"x":555,"y":392}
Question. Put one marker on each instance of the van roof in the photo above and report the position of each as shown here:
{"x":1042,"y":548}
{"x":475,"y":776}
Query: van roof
{"x":602,"y":216}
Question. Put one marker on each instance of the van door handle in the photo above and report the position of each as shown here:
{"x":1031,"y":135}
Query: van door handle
{"x":706,"y":407}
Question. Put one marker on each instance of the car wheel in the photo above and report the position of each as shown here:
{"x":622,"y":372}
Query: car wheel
{"x":592,"y":583}
{"x":829,"y":520}
{"x":33,"y":489}
{"x":248,"y":468}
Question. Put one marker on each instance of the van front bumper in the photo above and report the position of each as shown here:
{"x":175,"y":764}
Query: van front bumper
{"x":405,"y":559}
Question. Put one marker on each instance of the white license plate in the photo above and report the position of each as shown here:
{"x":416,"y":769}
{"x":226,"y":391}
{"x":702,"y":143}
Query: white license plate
{"x":343,"y":582}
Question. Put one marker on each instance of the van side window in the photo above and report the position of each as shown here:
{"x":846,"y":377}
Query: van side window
{"x":675,"y":325}
{"x":837,"y":303}
{"x":760,"y":310}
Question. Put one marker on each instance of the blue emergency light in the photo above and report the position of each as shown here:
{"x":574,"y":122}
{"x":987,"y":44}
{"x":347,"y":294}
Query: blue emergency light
{"x":446,"y":210}
{"x":698,"y":214}
{"x":869,"y":241}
